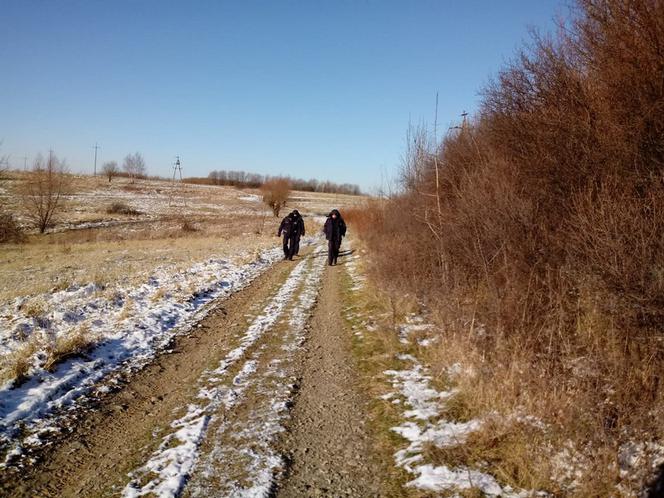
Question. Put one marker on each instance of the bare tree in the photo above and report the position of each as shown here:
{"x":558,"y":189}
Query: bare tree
{"x":4,"y":166}
{"x":275,"y":193}
{"x":134,"y":166}
{"x":110,"y":169}
{"x":43,"y":190}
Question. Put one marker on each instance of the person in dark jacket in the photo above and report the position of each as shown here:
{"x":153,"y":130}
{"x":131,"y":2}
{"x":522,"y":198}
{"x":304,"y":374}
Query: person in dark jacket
{"x":299,"y":225}
{"x":335,"y":229}
{"x":292,"y":227}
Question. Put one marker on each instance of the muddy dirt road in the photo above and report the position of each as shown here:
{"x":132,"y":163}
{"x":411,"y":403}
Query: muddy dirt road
{"x":260,"y":399}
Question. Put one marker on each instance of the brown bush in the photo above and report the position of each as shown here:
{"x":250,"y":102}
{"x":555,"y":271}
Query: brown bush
{"x":275,"y":193}
{"x":541,"y":219}
{"x":10,"y":231}
{"x":119,"y":207}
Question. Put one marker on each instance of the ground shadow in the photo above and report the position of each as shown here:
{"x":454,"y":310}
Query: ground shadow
{"x":656,"y":488}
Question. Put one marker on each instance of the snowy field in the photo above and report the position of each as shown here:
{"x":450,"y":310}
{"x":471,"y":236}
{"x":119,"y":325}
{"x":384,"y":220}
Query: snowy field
{"x":102,"y":293}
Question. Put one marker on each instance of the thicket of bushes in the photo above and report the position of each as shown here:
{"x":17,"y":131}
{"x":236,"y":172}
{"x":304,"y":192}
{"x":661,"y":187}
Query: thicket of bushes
{"x":537,"y":231}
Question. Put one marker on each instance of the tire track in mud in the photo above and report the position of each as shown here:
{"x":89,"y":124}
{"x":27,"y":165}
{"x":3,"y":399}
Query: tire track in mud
{"x":239,"y":457}
{"x":125,"y":428}
{"x":232,"y":407}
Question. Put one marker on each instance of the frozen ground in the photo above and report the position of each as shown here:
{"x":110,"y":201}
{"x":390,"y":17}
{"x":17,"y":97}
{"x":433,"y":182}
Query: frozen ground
{"x":243,"y":443}
{"x":129,"y":326}
{"x":421,"y":406}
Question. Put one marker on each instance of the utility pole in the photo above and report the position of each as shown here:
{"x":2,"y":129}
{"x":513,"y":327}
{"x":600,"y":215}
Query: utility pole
{"x":95,"y":148}
{"x":177,"y":169}
{"x":25,"y":163}
{"x":464,"y":122}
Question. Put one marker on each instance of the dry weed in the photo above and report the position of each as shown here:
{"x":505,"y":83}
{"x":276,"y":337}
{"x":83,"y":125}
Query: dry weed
{"x":14,"y":367}
{"x":75,"y":343}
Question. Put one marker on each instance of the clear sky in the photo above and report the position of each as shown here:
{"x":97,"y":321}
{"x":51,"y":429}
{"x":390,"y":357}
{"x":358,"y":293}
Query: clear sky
{"x":313,"y":89}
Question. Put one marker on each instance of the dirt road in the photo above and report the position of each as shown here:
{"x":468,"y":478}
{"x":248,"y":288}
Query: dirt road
{"x":261,"y":399}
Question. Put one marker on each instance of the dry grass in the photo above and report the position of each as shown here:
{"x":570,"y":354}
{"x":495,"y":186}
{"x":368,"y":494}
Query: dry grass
{"x":14,"y":367}
{"x":374,"y":354}
{"x":119,"y":207}
{"x":34,"y":308}
{"x":76,"y":343}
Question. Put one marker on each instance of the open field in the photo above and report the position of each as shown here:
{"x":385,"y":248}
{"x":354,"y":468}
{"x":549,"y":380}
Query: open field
{"x":175,"y":238}
{"x":173,"y":227}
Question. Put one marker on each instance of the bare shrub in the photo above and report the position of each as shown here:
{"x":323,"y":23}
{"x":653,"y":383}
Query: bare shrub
{"x":110,"y":170}
{"x":134,"y":166}
{"x":536,"y":232}
{"x":275,"y":194}
{"x":43,"y":190}
{"x":10,"y":231}
{"x":119,"y":207}
{"x":188,"y":226}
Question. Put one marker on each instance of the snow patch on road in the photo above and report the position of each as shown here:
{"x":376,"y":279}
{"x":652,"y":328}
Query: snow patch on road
{"x":244,"y":459}
{"x":167,"y":468}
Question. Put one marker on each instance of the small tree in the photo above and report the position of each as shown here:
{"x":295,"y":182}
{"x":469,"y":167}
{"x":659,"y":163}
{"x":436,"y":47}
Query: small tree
{"x":43,"y":190}
{"x":275,"y":193}
{"x":110,"y":169}
{"x":134,"y":166}
{"x":4,"y":167}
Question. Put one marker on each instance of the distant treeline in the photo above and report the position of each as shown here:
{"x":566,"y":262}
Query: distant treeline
{"x":243,"y":179}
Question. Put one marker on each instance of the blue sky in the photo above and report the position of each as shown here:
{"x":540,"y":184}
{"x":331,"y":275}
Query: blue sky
{"x":307,"y":88}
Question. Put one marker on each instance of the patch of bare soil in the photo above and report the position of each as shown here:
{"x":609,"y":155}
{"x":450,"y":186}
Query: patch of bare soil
{"x":327,"y":444}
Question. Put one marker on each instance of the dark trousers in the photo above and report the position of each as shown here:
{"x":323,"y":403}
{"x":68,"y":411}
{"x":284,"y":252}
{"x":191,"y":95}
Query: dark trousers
{"x":333,"y":251}
{"x":291,"y":245}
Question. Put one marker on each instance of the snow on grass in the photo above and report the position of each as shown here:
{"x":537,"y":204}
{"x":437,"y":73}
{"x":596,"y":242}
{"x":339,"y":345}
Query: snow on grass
{"x":171,"y":464}
{"x":422,"y":407}
{"x":131,"y":325}
{"x":354,"y":271}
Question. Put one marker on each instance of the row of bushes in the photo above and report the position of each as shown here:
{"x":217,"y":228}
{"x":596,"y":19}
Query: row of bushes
{"x":243,"y":179}
{"x":540,"y":224}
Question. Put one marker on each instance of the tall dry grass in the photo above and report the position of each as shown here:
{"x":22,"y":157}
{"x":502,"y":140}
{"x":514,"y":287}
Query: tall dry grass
{"x":537,"y":232}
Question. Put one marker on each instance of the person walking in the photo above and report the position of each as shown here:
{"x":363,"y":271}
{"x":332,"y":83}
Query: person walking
{"x":335,"y":230}
{"x":299,"y":230}
{"x":292,"y":227}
